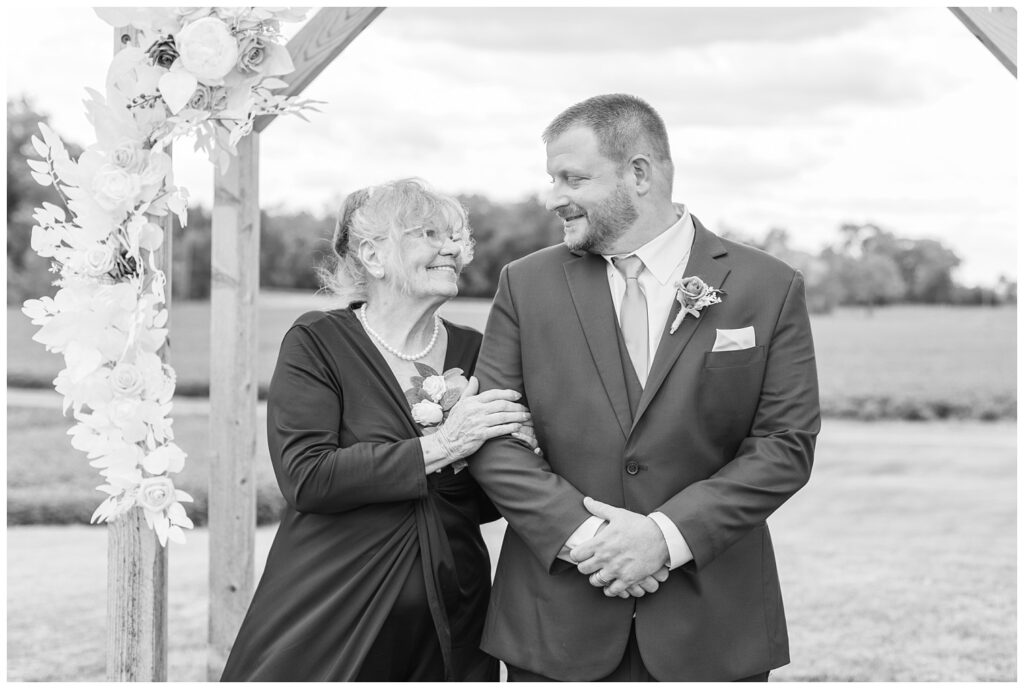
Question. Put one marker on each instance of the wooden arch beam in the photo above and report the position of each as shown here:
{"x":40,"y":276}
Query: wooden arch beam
{"x":317,"y":43}
{"x":234,"y":345}
{"x":996,"y":28}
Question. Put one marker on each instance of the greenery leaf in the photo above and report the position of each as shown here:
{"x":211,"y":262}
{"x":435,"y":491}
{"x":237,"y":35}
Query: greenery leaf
{"x":449,"y":399}
{"x":41,"y":148}
{"x":415,"y":395}
{"x":51,"y":139}
{"x":56,"y":211}
{"x":425,"y":370}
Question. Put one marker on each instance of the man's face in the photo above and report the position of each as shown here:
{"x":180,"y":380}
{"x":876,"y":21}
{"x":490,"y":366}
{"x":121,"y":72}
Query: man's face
{"x":587,"y":193}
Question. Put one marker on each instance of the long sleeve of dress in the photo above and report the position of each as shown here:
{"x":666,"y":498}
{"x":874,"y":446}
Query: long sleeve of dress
{"x":304,"y":417}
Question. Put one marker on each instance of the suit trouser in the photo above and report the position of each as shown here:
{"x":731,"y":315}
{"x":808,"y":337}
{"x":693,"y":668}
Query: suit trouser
{"x":631,"y":669}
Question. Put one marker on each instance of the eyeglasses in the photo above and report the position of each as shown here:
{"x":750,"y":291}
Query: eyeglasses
{"x":434,"y":236}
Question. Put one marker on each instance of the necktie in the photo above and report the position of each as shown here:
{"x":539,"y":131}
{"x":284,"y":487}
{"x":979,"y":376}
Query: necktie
{"x":633,"y":314}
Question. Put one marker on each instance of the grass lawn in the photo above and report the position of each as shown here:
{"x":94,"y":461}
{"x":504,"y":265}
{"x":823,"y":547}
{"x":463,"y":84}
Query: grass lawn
{"x":29,"y":362}
{"x":956,"y":355}
{"x":965,"y":356}
{"x":898,"y":563}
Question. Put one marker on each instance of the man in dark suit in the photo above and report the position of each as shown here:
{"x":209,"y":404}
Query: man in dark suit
{"x":672,"y":382}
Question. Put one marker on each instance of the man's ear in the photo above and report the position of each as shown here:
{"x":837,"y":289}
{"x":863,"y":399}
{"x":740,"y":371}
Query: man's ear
{"x":642,"y":173}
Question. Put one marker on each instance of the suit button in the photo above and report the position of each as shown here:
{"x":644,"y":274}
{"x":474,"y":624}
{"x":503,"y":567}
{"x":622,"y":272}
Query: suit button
{"x":632,"y":468}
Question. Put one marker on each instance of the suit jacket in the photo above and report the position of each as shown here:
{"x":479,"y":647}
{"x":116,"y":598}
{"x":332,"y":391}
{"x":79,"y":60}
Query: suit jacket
{"x":718,"y":442}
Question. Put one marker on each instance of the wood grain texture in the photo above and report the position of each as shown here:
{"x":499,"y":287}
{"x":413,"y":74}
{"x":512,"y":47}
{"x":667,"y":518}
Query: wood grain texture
{"x":233,"y":385}
{"x":136,"y":602}
{"x":996,"y":28}
{"x":321,"y":40}
{"x":136,"y":563}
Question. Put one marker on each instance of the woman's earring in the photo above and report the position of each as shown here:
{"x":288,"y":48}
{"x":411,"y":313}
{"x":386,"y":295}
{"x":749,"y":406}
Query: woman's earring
{"x":379,"y":274}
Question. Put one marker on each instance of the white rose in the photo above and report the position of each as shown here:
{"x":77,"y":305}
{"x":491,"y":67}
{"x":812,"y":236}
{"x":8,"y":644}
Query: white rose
{"x":427,"y":413}
{"x":113,"y":188}
{"x":207,"y":49}
{"x":252,"y":53}
{"x":156,"y":494}
{"x":157,"y":167}
{"x":435,"y":386}
{"x":97,"y":260}
{"x":127,"y":380}
{"x":100,"y":259}
{"x":200,"y":99}
{"x":125,"y":413}
{"x":128,"y":156}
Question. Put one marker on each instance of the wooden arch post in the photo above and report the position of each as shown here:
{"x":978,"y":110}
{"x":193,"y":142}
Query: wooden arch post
{"x":136,"y":562}
{"x":234,"y":342}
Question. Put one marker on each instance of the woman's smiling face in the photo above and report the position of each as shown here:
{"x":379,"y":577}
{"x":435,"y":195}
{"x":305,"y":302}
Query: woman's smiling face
{"x":429,"y":261}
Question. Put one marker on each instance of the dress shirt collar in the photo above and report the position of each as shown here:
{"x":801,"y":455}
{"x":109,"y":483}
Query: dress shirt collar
{"x":662,"y":254}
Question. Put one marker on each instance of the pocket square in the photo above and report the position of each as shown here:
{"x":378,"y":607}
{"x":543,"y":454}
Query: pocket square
{"x":727,"y":340}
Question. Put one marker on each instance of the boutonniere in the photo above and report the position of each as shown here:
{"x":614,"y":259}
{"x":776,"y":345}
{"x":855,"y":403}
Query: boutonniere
{"x":432,"y":396}
{"x":693,"y":295}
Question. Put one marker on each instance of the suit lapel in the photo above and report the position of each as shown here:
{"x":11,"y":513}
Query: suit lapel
{"x":704,"y":264}
{"x":588,"y":285}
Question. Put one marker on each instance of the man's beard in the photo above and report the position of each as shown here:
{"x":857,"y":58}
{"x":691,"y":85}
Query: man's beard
{"x":605,"y":222}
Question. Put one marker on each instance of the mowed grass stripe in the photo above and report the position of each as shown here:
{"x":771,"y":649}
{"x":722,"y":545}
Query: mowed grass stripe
{"x":957,"y":354}
{"x":897,"y":563}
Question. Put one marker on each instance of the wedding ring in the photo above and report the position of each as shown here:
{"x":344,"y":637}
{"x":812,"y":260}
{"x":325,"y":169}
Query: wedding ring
{"x":604,"y":582}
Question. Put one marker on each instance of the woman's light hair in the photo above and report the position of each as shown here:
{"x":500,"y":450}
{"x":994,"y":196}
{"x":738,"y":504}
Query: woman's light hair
{"x":381,"y":213}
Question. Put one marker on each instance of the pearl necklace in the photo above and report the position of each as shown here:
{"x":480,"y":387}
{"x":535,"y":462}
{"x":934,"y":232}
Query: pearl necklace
{"x":401,"y":355}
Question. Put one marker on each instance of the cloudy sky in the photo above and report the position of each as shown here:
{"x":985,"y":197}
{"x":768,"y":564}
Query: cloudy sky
{"x":797,"y":118}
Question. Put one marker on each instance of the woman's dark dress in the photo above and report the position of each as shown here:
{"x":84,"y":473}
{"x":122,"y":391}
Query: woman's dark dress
{"x":378,"y":572}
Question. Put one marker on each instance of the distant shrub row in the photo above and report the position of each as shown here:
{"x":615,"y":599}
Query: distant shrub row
{"x":862,"y":408}
{"x":884,"y":408}
{"x":71,"y":505}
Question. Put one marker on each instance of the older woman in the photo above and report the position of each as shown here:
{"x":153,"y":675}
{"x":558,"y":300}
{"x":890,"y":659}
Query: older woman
{"x":378,"y":571}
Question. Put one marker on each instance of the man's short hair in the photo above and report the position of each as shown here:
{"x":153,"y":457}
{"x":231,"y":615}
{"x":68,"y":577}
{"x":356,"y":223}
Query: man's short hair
{"x":624,"y":125}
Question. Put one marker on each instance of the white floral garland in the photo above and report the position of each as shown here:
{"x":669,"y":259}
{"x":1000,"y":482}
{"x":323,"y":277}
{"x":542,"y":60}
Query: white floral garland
{"x":204,"y":71}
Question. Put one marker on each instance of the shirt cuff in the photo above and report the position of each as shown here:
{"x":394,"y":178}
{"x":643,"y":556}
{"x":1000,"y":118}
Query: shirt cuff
{"x":678,"y":552}
{"x":584,"y":532}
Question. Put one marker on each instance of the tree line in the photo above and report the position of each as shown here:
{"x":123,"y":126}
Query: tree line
{"x":871,"y":266}
{"x":866,"y":265}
